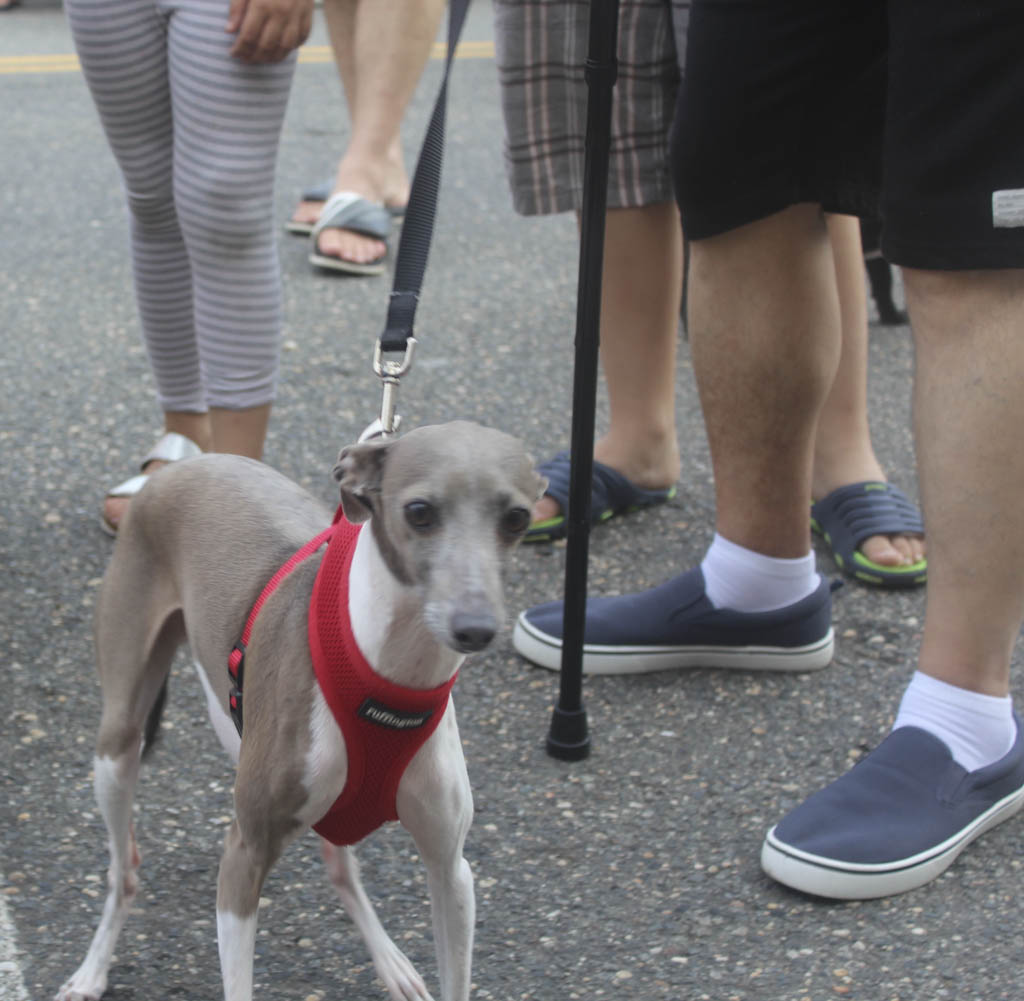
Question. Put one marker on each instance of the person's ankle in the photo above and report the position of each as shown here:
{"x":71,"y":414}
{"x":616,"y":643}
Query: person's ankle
{"x":742,"y":580}
{"x":652,"y":464}
{"x":857,"y":465}
{"x":978,"y":729}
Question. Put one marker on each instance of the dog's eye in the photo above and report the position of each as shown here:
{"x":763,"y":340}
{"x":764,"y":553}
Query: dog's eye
{"x":516,"y":521}
{"x":421,"y":514}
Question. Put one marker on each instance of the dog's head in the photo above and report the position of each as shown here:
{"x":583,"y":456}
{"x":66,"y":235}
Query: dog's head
{"x":448,"y":504}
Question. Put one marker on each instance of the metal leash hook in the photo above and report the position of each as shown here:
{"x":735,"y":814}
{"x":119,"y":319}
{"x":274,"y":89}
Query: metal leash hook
{"x":389,"y":372}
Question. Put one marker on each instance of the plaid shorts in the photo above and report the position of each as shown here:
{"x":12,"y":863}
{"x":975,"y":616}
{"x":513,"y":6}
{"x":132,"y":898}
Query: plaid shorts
{"x":541,"y":48}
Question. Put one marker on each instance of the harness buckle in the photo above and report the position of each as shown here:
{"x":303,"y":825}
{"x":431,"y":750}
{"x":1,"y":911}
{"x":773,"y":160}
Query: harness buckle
{"x":236,"y":672}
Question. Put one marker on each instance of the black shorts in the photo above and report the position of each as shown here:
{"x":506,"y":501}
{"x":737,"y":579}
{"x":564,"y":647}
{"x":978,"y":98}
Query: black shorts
{"x":910,"y":108}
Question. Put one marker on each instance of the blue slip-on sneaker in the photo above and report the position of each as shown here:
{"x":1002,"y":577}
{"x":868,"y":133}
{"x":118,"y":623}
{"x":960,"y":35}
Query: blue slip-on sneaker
{"x":895,"y":821}
{"x":674,"y":625}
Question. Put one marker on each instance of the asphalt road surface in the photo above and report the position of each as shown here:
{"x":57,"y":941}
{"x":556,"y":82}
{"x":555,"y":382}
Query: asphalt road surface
{"x":632,"y":875}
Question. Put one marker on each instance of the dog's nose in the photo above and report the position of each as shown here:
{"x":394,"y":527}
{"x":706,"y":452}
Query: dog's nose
{"x":473,"y":631}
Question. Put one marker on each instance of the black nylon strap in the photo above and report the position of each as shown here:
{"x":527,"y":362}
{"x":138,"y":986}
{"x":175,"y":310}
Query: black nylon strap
{"x":418,"y":228}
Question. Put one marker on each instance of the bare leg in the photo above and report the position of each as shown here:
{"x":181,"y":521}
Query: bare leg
{"x":843,"y":452}
{"x":641,"y":289}
{"x":758,"y":295}
{"x":193,"y":426}
{"x":241,"y":432}
{"x":379,"y":69}
{"x":968,"y":409}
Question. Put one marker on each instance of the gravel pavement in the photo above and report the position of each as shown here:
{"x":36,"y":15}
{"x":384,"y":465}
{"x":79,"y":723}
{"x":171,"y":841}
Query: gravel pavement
{"x":632,"y":875}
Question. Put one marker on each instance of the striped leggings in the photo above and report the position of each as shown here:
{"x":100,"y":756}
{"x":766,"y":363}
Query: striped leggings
{"x":195,"y":134}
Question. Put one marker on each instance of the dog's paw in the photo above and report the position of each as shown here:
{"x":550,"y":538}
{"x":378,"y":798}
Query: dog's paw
{"x":77,"y":990}
{"x":87,"y":983}
{"x":399,"y":975}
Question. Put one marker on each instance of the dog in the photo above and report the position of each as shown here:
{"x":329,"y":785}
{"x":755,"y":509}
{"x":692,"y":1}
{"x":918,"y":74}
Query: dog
{"x":443,"y":508}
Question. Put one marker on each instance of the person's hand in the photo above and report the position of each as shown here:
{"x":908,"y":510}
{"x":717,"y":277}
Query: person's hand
{"x":268,"y":30}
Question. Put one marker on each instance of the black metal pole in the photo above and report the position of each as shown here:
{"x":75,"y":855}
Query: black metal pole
{"x":568,"y":736}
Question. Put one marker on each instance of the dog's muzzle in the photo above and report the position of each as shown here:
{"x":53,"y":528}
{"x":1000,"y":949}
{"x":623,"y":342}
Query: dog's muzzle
{"x":473,"y":631}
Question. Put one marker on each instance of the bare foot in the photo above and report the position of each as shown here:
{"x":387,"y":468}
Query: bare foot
{"x":347,"y":245}
{"x":383,"y":181}
{"x":307,"y":212}
{"x":653,"y":468}
{"x":386,"y":184}
{"x":885,"y":550}
{"x":114,"y":508}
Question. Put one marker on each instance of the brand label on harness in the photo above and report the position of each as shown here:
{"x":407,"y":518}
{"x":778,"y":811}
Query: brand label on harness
{"x":1008,"y":208}
{"x":393,"y":719}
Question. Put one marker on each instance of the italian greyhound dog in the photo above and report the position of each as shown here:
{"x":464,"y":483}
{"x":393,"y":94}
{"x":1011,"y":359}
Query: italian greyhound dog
{"x":444,"y":506}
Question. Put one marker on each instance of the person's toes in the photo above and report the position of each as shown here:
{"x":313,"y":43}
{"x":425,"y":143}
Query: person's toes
{"x":894,"y":550}
{"x":910,"y":547}
{"x":885,"y":551}
{"x":547,"y":507}
{"x":114,"y":509}
{"x":913,"y":546}
{"x":307,"y":212}
{"x":349,"y":246}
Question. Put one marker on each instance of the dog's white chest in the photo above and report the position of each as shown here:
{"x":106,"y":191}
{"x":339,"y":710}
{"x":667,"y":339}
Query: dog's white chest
{"x":326,"y":765}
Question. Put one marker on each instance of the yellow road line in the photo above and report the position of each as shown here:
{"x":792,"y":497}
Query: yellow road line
{"x":39,"y":64}
{"x":465,"y":50}
{"x":68,"y":63}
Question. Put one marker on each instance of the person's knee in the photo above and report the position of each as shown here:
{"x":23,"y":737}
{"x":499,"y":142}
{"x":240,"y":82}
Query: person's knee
{"x":217,"y":215}
{"x":769,"y":245}
{"x":956,"y":300}
{"x":153,"y":209}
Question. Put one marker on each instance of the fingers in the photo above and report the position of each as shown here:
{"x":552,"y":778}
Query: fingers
{"x":235,"y":14}
{"x":268,"y":30}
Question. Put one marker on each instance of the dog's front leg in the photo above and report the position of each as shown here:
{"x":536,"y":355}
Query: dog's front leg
{"x":453,"y":909}
{"x":435,"y":805}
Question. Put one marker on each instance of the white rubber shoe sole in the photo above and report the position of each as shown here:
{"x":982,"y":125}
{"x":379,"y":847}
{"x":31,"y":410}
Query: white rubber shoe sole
{"x":546,"y":651}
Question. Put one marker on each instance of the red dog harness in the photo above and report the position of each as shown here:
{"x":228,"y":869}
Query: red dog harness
{"x":383,"y":724}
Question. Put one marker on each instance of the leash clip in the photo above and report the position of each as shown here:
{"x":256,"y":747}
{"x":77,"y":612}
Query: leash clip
{"x":389,"y":373}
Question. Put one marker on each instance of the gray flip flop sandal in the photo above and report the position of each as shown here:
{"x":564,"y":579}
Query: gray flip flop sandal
{"x":347,"y":210}
{"x":321,"y":193}
{"x":170,"y":448}
{"x":316,"y":193}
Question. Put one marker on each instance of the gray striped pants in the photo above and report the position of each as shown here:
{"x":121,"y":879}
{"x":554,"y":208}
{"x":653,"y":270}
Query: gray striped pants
{"x":195,"y":134}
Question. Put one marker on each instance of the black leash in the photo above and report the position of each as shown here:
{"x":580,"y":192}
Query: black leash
{"x":414,"y":247}
{"x":568,"y":737}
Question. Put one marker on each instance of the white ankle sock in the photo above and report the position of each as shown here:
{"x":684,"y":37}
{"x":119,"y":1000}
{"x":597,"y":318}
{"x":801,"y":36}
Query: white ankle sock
{"x":745,"y":581}
{"x":978,"y":729}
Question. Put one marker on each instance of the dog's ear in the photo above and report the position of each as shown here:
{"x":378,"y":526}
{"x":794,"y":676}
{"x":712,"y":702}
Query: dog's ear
{"x":358,"y":472}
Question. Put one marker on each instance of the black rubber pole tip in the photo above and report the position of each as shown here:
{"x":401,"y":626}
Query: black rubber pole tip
{"x":568,"y":737}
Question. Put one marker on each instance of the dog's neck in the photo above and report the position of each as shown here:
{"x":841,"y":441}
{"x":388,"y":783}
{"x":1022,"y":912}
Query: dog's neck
{"x":388,"y":626}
